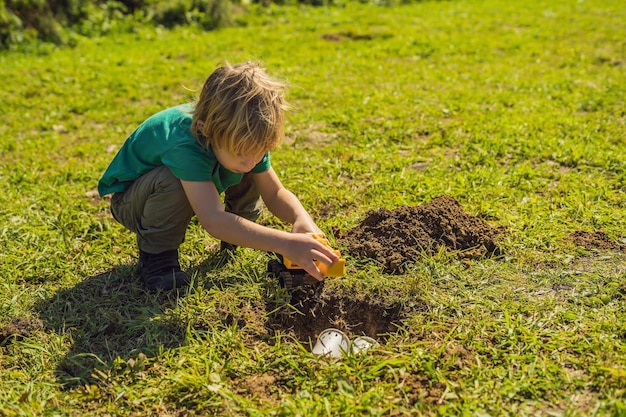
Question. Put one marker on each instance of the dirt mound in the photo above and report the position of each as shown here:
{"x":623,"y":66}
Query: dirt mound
{"x":18,"y":329}
{"x":595,"y":240}
{"x":402,"y":235}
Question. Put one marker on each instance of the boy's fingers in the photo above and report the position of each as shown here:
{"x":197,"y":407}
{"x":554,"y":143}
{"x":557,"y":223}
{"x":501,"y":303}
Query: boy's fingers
{"x":323,"y":262}
{"x":330,"y":255}
{"x":312,"y":269}
{"x":315,"y":272}
{"x":322,"y":257}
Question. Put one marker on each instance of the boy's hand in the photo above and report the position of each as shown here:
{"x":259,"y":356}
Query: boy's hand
{"x":303,"y":250}
{"x":305,"y":225}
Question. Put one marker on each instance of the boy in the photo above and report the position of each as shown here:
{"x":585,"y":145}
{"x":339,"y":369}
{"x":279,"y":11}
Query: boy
{"x":178,"y":162}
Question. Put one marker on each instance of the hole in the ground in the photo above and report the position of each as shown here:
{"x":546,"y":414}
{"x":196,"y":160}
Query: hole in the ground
{"x":311,"y":312}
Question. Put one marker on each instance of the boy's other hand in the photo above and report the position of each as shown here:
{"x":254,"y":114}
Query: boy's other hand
{"x":305,"y":224}
{"x":304,"y":250}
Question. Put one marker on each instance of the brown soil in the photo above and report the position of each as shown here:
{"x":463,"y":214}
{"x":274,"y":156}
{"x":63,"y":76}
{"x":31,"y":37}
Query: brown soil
{"x":263,"y":387}
{"x":403,"y":235}
{"x":324,"y":307}
{"x":595,"y":240}
{"x":18,"y":329}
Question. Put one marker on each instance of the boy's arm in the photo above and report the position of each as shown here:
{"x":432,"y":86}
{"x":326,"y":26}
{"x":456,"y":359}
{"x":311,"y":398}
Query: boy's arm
{"x":300,"y":248}
{"x":283,"y":203}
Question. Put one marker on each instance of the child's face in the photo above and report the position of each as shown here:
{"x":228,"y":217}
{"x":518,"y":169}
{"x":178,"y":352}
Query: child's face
{"x":240,"y":164}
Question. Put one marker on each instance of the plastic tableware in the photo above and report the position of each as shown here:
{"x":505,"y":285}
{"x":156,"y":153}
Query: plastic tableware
{"x":332,"y":342}
{"x":362,"y":343}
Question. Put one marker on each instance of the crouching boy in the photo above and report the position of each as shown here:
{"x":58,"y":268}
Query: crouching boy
{"x":179,"y":161}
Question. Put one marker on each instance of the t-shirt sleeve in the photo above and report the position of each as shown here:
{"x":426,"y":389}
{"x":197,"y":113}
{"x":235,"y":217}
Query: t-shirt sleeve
{"x":188,"y":163}
{"x":263,"y":165}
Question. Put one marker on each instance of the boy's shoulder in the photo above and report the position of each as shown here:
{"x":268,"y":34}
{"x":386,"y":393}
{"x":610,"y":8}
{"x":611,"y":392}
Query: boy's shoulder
{"x":182,"y":113}
{"x":171,"y":126}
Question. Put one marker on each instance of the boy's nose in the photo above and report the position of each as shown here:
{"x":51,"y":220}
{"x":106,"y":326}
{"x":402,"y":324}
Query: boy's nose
{"x":248,"y":165}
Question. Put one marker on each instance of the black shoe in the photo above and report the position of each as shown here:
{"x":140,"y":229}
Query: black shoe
{"x":225,"y":246}
{"x":161,"y":271}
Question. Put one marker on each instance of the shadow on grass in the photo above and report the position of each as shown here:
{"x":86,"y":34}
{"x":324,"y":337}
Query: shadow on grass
{"x":109,"y":317}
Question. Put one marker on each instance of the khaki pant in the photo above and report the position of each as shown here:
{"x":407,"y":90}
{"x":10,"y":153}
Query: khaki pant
{"x":156,"y":208}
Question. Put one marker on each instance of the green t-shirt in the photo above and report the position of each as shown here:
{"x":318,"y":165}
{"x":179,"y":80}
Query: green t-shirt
{"x":166,"y":139}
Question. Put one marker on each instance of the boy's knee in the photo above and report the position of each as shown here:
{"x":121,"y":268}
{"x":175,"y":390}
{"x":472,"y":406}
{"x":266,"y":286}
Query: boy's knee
{"x":246,"y":203}
{"x":166,"y":181}
{"x":168,"y":184}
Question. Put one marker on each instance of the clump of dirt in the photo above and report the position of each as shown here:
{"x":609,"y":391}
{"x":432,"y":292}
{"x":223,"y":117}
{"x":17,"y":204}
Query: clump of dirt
{"x":595,"y":240}
{"x":398,"y":237}
{"x":264,"y":387}
{"x":18,"y":329}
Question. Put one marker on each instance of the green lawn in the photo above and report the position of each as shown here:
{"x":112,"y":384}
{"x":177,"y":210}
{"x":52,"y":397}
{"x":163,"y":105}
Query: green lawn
{"x":516,"y":109}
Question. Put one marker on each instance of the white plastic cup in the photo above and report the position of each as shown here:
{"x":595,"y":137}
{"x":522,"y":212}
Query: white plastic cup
{"x":362,"y":343}
{"x":332,"y":342}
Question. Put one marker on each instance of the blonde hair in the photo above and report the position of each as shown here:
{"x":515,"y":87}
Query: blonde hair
{"x":241,"y":109}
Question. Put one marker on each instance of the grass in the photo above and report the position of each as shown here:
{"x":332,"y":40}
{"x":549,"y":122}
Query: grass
{"x":516,"y":110}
